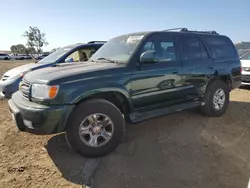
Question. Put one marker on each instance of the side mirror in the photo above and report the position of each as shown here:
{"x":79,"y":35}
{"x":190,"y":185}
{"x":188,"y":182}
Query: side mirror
{"x":68,"y":60}
{"x":148,"y":57}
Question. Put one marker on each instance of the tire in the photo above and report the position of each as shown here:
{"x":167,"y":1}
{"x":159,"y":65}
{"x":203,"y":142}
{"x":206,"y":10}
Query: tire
{"x":6,"y":58}
{"x":82,"y":113}
{"x":210,"y":108}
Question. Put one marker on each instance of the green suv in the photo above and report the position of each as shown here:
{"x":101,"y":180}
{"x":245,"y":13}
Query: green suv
{"x":132,"y":77}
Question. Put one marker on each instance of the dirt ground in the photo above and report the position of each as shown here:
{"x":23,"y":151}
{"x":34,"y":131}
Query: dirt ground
{"x":180,"y":150}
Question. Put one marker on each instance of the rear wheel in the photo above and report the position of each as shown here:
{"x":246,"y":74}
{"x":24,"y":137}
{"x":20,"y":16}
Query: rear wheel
{"x":96,"y":128}
{"x":6,"y":58}
{"x":216,"y":99}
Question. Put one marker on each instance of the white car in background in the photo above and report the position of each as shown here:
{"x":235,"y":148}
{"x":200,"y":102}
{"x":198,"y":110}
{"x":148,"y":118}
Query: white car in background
{"x":245,"y":68}
{"x":20,"y":56}
{"x":4,"y":56}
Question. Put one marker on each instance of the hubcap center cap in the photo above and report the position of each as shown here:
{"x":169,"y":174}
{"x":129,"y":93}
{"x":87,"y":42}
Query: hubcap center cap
{"x":96,"y":129}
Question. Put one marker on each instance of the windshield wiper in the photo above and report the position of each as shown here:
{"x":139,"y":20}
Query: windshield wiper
{"x":106,"y":59}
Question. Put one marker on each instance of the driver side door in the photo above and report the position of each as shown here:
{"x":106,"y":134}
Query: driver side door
{"x":158,"y":82}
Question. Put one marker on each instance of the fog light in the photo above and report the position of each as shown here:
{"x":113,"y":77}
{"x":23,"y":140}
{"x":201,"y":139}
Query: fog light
{"x":20,"y":85}
{"x":28,"y":123}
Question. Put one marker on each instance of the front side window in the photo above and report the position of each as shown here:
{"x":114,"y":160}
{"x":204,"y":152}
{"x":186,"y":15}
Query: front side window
{"x":80,"y":55}
{"x":163,"y":46}
{"x":118,"y":49}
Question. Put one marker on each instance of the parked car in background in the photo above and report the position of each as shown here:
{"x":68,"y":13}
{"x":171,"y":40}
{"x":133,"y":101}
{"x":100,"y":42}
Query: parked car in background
{"x":40,"y":57}
{"x":20,"y":56}
{"x":77,"y":52}
{"x":28,"y":57}
{"x":245,"y":68}
{"x":4,"y":56}
{"x":132,"y":77}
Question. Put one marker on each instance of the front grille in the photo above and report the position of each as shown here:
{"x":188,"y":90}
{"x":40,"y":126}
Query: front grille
{"x":5,"y":77}
{"x":25,"y":89}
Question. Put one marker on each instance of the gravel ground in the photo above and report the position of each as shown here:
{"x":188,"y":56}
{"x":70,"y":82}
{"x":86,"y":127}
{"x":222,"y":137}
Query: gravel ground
{"x":184,"y":149}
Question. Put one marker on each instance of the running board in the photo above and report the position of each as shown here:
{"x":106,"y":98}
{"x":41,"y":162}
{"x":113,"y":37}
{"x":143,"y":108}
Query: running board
{"x":143,"y":115}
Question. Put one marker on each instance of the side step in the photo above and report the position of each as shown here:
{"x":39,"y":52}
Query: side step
{"x":143,"y":115}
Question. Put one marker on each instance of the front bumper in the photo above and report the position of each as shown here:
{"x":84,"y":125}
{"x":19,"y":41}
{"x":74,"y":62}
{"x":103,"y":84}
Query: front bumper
{"x":7,"y":88}
{"x":37,"y":118}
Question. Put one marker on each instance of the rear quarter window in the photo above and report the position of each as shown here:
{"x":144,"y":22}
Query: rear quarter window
{"x":222,"y":46}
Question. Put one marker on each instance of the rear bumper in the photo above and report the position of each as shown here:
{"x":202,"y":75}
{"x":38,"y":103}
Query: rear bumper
{"x":245,"y":80}
{"x":236,"y":82}
{"x":36,"y":118}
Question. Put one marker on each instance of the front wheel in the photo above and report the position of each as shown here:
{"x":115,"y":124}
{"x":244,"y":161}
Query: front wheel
{"x":216,"y":99}
{"x":96,"y":128}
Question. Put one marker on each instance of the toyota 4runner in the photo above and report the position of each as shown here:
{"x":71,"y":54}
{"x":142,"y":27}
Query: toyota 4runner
{"x":132,"y":77}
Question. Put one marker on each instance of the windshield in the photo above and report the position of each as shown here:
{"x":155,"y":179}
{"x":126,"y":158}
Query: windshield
{"x":118,"y":49}
{"x":245,"y":56}
{"x":55,"y":55}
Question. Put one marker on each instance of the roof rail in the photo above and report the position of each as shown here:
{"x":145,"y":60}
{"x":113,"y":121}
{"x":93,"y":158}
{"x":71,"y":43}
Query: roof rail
{"x":186,"y":30}
{"x":93,"y":42}
{"x":210,"y":32}
{"x":179,"y":29}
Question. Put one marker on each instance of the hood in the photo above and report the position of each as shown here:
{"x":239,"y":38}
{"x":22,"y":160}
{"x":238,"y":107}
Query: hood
{"x":66,"y":70}
{"x":18,"y":70}
{"x":245,"y":63}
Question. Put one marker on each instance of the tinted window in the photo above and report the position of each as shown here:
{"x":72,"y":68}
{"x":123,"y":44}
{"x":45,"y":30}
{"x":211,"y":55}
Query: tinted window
{"x":164,"y":47}
{"x":221,"y":46}
{"x":192,"y":48}
{"x":149,"y":46}
{"x":203,"y":51}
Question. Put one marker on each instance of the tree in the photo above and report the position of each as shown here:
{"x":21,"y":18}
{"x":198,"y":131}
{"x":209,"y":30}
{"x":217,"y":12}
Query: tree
{"x":13,"y":49}
{"x":54,"y":49}
{"x":19,"y":48}
{"x":31,"y":51}
{"x":35,"y":39}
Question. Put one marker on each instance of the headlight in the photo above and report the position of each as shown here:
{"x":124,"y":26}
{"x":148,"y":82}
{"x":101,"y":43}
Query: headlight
{"x":41,"y":91}
{"x":23,"y":73}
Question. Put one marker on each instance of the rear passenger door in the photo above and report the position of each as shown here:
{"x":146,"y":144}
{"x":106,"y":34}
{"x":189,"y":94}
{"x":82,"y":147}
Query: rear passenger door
{"x":198,"y":66}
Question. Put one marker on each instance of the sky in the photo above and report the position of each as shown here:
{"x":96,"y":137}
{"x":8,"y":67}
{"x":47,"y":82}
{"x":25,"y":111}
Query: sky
{"x":73,"y":21}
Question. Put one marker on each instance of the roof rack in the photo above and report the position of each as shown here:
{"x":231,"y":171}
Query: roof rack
{"x":177,"y":29}
{"x":186,"y":30}
{"x":93,"y":42}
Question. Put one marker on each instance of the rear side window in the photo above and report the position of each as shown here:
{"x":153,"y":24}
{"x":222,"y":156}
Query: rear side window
{"x":192,"y":48}
{"x":222,"y":46}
